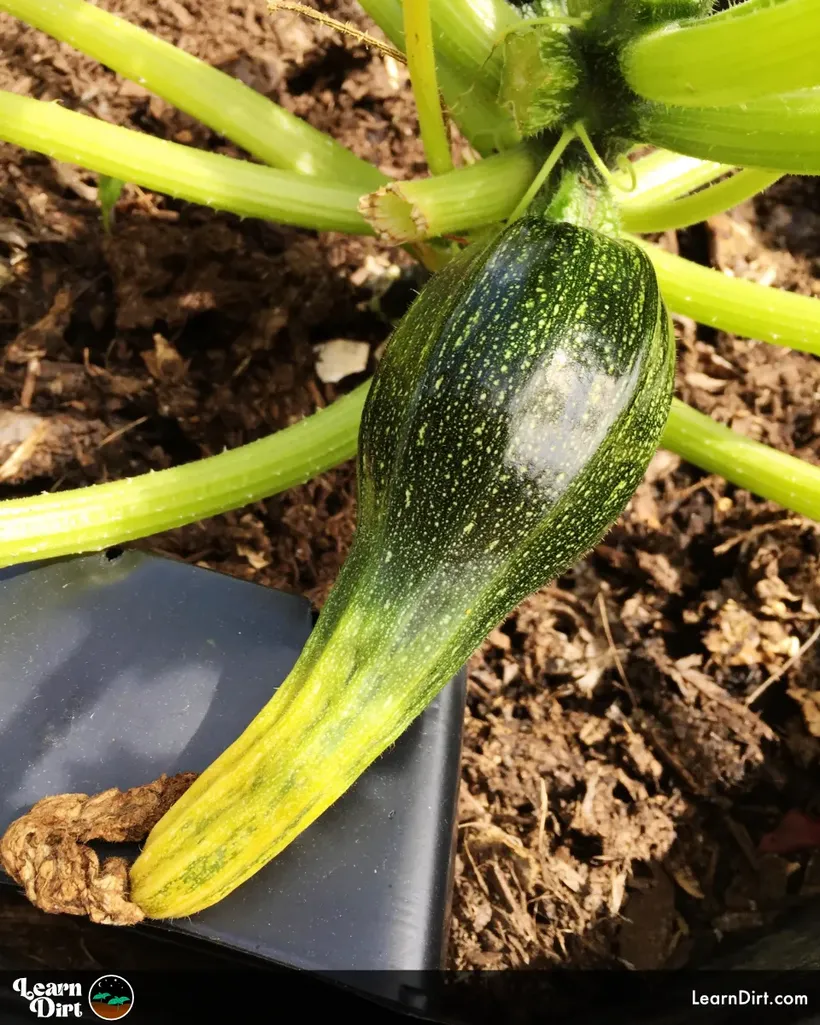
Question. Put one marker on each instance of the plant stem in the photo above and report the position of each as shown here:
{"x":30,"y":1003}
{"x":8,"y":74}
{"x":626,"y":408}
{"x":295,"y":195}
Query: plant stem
{"x":778,"y":132}
{"x":180,"y":171}
{"x":95,"y":517}
{"x":470,"y":98}
{"x":680,"y":213}
{"x":732,"y":304}
{"x":549,"y":164}
{"x":101,"y":515}
{"x":782,"y":478}
{"x":491,"y":190}
{"x":741,"y":54}
{"x":224,"y":104}
{"x":468,"y":31}
{"x":469,"y":197}
{"x":664,"y":176}
{"x":421,"y":63}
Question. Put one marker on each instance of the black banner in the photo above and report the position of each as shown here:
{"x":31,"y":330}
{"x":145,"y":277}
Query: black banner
{"x":555,"y":997}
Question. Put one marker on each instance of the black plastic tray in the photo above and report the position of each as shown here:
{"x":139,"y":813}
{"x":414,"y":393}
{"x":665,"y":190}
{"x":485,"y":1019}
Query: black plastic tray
{"x":115,"y":668}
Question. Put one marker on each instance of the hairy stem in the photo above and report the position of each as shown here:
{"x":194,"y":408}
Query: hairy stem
{"x":546,"y":168}
{"x":746,"y":52}
{"x":95,"y":517}
{"x":732,"y":304}
{"x":224,"y":104}
{"x":777,"y":132}
{"x":421,"y":62}
{"x":180,"y":171}
{"x":680,"y":213}
{"x":792,"y":482}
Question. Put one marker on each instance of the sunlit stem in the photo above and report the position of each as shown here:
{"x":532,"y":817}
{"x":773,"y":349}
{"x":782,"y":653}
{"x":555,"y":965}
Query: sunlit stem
{"x":791,"y":482}
{"x":664,"y":176}
{"x":732,"y":304}
{"x":466,"y":33}
{"x":421,"y":62}
{"x":96,"y":517}
{"x":778,"y":132}
{"x":222,"y":103}
{"x":209,"y":179}
{"x":466,"y":198}
{"x":469,"y":91}
{"x":680,"y":213}
{"x":746,"y":52}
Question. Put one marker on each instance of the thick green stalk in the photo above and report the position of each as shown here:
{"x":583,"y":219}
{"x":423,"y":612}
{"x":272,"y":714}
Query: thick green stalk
{"x":222,"y":103}
{"x":89,"y":519}
{"x":746,"y":52}
{"x":470,"y":97}
{"x":777,"y":132}
{"x":782,"y":478}
{"x":96,"y":517}
{"x":664,"y":176}
{"x":421,"y":63}
{"x":490,"y":190}
{"x":680,"y":213}
{"x":180,"y":171}
{"x":467,"y":32}
{"x":732,"y":304}
{"x":469,"y":197}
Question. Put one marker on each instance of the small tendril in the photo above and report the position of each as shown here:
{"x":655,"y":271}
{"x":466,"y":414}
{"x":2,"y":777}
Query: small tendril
{"x":580,"y":130}
{"x":628,"y":167}
{"x":555,"y":155}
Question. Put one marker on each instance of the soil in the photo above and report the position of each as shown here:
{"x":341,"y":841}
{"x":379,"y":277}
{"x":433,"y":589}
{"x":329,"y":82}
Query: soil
{"x":641,"y":737}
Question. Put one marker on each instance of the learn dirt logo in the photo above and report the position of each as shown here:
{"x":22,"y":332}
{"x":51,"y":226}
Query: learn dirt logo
{"x":111,"y":997}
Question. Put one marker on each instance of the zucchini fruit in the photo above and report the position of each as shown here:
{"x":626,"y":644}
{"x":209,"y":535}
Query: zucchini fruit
{"x":512,"y":416}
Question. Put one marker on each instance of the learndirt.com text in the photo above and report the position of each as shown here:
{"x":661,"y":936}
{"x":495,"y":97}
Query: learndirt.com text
{"x":749,"y":998}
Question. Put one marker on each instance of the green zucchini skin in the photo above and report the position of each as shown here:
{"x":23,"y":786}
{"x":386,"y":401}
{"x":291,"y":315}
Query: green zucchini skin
{"x":512,"y":416}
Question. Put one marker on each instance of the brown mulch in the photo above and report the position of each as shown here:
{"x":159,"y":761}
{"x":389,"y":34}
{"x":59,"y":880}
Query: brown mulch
{"x":621,"y":795}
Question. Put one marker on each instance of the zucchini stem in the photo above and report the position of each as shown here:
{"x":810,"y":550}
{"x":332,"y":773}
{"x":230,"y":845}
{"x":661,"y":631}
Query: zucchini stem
{"x":466,"y":33}
{"x":580,"y":129}
{"x":466,"y":198}
{"x":780,"y":132}
{"x":732,"y":304}
{"x":226,"y":105}
{"x":421,"y":63}
{"x":546,"y":168}
{"x":183,"y":172}
{"x":96,"y":517}
{"x":748,"y":51}
{"x":680,"y":213}
{"x":470,"y":94}
{"x":664,"y":176}
{"x":792,"y":482}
